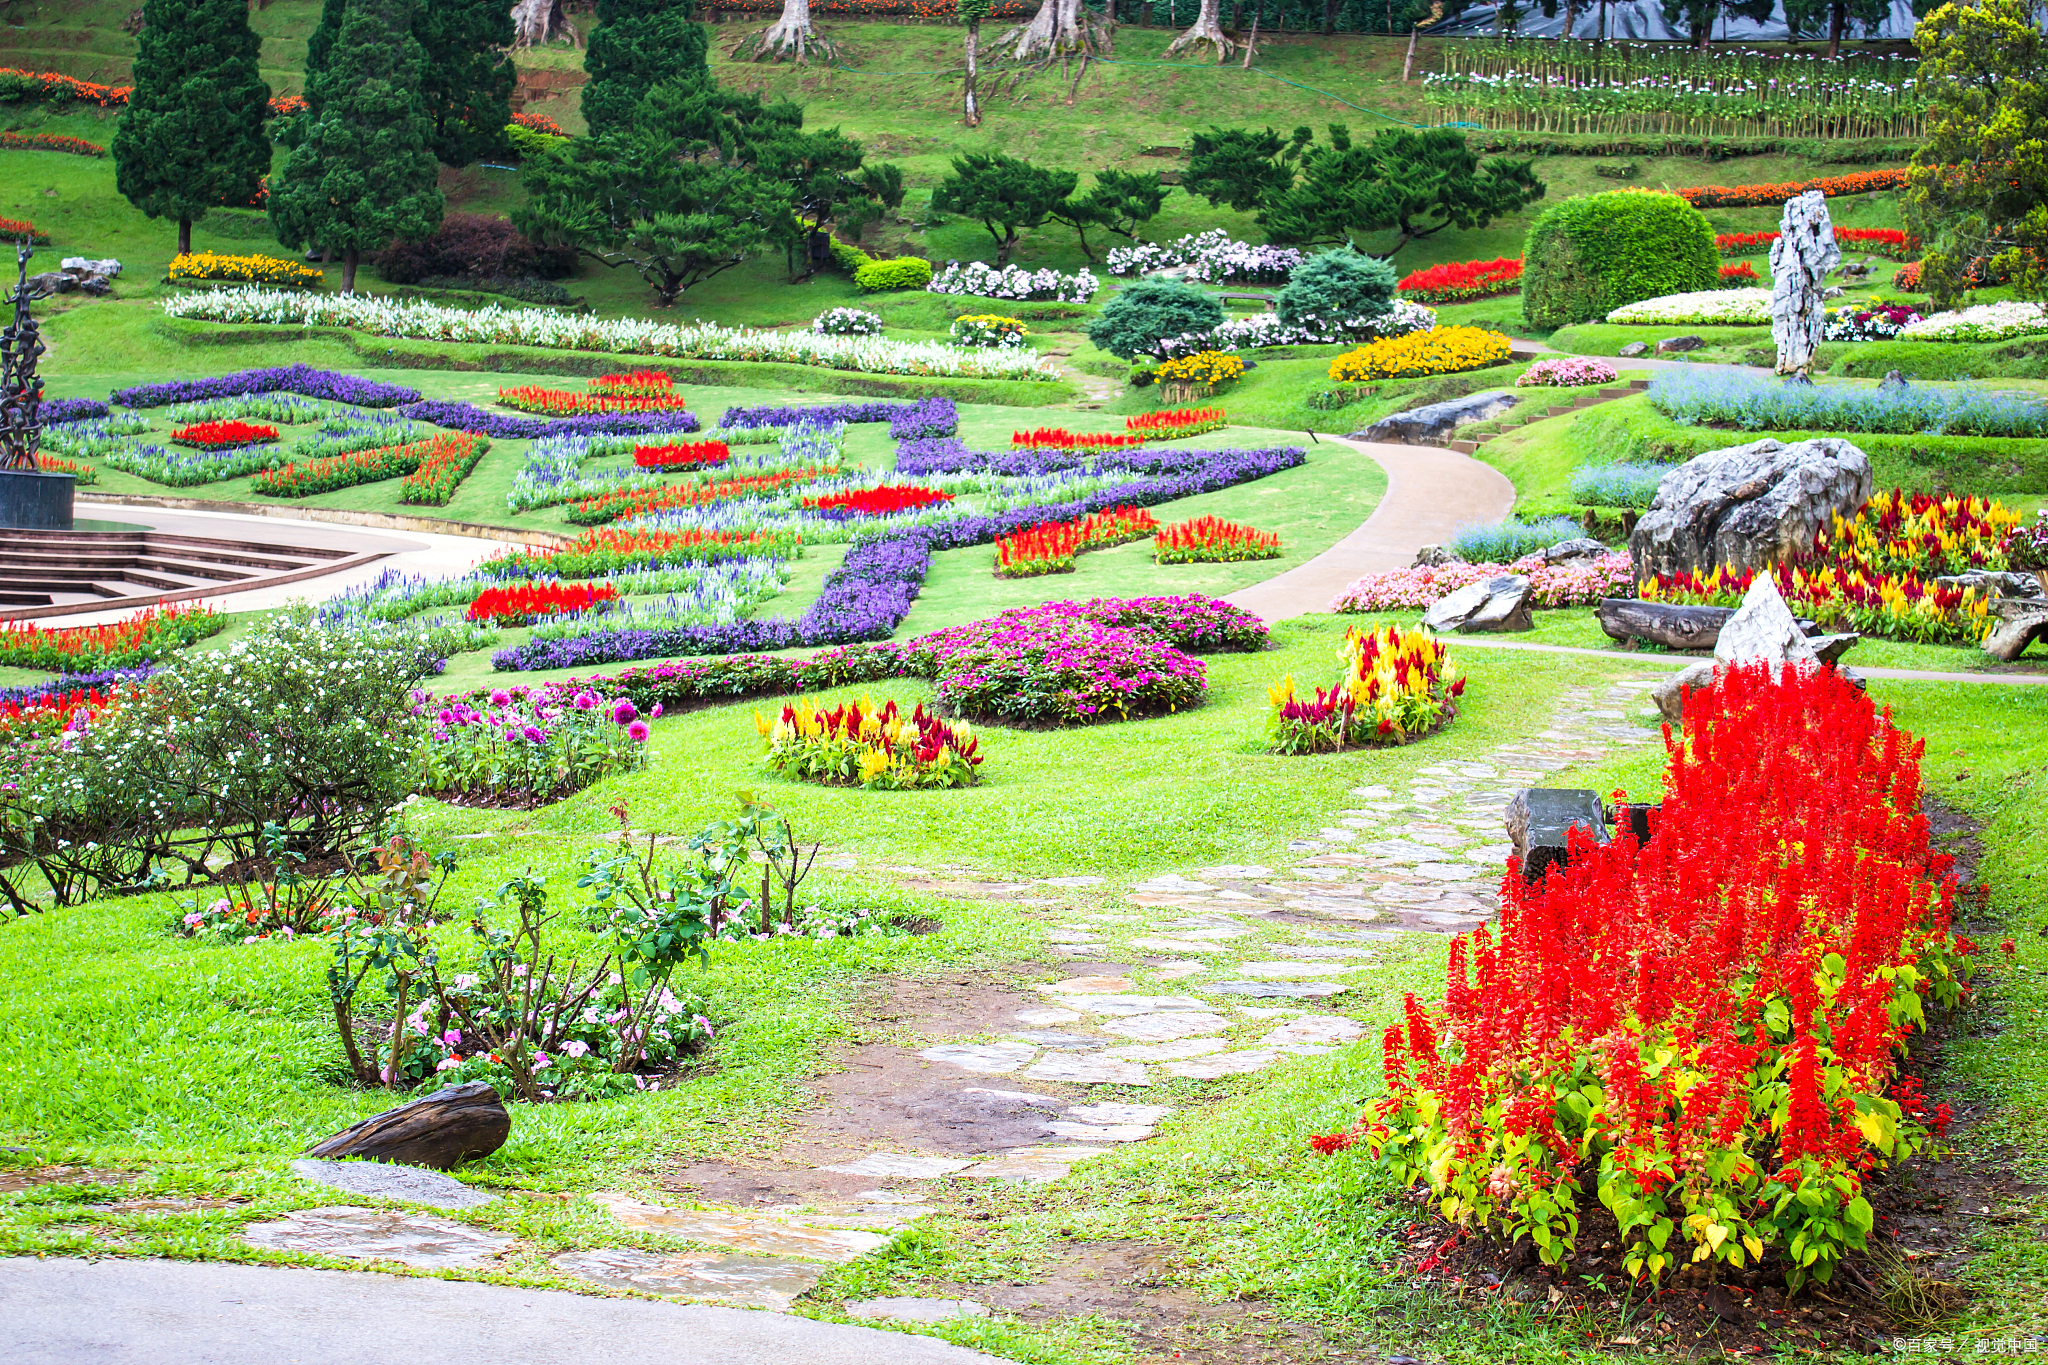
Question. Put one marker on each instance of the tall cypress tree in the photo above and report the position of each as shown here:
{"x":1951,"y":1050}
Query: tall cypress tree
{"x":638,"y":45}
{"x":193,"y":136}
{"x":321,"y":40}
{"x":364,"y":170}
{"x":469,"y":77}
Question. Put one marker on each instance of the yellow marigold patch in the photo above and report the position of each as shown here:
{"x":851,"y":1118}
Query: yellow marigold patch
{"x":210,"y":265}
{"x":1203,"y":367}
{"x":1442,"y":350}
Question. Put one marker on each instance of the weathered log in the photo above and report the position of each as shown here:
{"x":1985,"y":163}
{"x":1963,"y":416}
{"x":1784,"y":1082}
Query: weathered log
{"x":1675,"y":627}
{"x":455,"y":1124}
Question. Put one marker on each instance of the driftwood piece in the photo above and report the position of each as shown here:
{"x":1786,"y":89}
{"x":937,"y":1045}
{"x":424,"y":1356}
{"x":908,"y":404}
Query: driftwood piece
{"x":1675,"y":627}
{"x":455,"y":1124}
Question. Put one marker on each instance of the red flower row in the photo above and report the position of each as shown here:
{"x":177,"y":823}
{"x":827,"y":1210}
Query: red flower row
{"x":538,"y":123}
{"x":1170,"y":423}
{"x":217,"y":435}
{"x":1050,"y":547}
{"x":1741,"y":271}
{"x":682,"y":455}
{"x":1059,"y":438}
{"x":1833,"y":186}
{"x":1887,"y":241}
{"x":49,"y":142}
{"x":54,"y":85}
{"x":14,"y":229}
{"x":638,"y":384}
{"x":880,"y":502}
{"x":1461,"y":280}
{"x":627,"y":502}
{"x":524,"y":601}
{"x":564,"y":403}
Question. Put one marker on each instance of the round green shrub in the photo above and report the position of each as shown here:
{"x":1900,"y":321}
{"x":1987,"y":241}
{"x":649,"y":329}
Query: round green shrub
{"x":901,"y":272}
{"x":1138,"y":318}
{"x":1338,"y":286}
{"x":1588,"y":256}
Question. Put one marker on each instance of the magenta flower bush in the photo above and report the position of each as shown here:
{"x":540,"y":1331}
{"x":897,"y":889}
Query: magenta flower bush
{"x":1040,"y":665}
{"x":1566,"y":372}
{"x":1555,"y":585}
{"x":528,"y":745}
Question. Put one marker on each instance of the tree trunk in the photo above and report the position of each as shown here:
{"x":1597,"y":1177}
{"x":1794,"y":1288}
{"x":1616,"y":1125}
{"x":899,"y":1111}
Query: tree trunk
{"x":348,"y":269}
{"x":1571,"y":17}
{"x":789,"y":36}
{"x":1251,"y":44}
{"x":184,"y":236}
{"x":973,"y":107}
{"x":536,"y":21}
{"x":1208,"y":28}
{"x":1408,"y":63}
{"x":1838,"y":14}
{"x":1061,"y":28}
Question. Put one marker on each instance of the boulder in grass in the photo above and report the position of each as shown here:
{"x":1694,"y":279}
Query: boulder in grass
{"x":1493,"y":604}
{"x":1432,"y":423}
{"x":456,"y":1123}
{"x":1634,"y":349}
{"x":1749,"y":506}
{"x":1680,"y":345}
{"x":85,"y":265}
{"x":2021,"y":623}
{"x":1583,"y":547}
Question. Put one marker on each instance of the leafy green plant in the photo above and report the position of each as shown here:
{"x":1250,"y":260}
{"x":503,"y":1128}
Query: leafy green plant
{"x":1588,"y":256}
{"x":1344,"y":285}
{"x":1005,"y":194}
{"x":1139,"y":317}
{"x":900,"y":272}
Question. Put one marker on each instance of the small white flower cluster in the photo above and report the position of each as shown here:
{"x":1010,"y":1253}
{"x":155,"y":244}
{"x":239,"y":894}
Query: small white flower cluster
{"x":1213,"y":257}
{"x":1704,"y":308}
{"x":1013,"y":282}
{"x":1986,"y":322}
{"x":847,"y":322}
{"x":1266,"y":329}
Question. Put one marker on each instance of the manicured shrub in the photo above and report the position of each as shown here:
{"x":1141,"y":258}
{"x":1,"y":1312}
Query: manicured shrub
{"x":900,"y":272}
{"x":474,"y":246}
{"x":1139,"y":317}
{"x":1588,"y":256}
{"x":1337,"y":286}
{"x":1397,"y":687}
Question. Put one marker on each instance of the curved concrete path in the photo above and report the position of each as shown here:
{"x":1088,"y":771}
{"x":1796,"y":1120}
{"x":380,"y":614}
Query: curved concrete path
{"x":73,"y":1312}
{"x":1431,"y":492}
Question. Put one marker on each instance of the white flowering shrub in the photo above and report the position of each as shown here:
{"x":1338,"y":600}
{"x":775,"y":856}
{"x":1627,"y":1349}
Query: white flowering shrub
{"x":1266,"y":329}
{"x":847,"y":322}
{"x":1703,"y":308}
{"x":1986,"y":322}
{"x":1212,"y":257}
{"x":1013,"y":282}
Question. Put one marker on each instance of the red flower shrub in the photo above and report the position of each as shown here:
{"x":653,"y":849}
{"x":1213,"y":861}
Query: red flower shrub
{"x":1885,"y":241}
{"x":565,"y":403}
{"x":538,"y":123}
{"x":1833,"y":186}
{"x":1459,"y":281}
{"x":638,"y":384}
{"x":879,"y":502}
{"x":1211,"y":540}
{"x":682,"y":455}
{"x":49,"y":142}
{"x":218,"y":435}
{"x":521,"y":602}
{"x":1710,"y":1022}
{"x":1051,"y":546}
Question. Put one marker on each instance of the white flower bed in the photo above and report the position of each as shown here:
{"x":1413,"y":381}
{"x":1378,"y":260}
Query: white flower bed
{"x":1708,"y":307}
{"x":1985,"y":322}
{"x":611,"y":336}
{"x":1213,"y":256}
{"x":847,"y":322}
{"x":1013,"y":282}
{"x":1266,"y":329}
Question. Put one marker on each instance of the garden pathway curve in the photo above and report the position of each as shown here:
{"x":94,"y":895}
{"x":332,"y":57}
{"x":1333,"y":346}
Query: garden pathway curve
{"x":1431,"y":492}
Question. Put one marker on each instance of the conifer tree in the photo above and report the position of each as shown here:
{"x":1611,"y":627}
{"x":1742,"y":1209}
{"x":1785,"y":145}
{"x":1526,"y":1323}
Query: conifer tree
{"x":469,"y":76}
{"x":364,"y":170}
{"x":638,"y":45}
{"x":192,"y":136}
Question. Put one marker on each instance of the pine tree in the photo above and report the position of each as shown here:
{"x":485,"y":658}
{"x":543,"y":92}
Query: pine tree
{"x":469,"y":78}
{"x":364,"y":170}
{"x":321,"y":40}
{"x":193,"y":136}
{"x":638,"y":45}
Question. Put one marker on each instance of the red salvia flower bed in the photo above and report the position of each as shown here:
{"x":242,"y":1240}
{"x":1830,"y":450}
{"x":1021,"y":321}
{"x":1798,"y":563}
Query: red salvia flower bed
{"x":682,"y":455}
{"x":1169,"y":423}
{"x":14,"y":229}
{"x":1051,"y":546}
{"x":218,"y":435}
{"x":1885,"y":241}
{"x":1207,"y":540}
{"x":629,"y":502}
{"x":1059,"y":438}
{"x":879,"y":502}
{"x":566,"y":403}
{"x":1458,"y":281}
{"x":1709,"y":1026}
{"x":522,"y":602}
{"x":638,"y":384}
{"x":539,"y":123}
{"x":1740,"y":271}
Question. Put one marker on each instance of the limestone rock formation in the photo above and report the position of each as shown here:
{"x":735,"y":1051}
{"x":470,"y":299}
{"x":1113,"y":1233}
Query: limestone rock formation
{"x":1800,"y":260}
{"x":1749,"y":506}
{"x":1497,"y":604}
{"x":1431,"y":424}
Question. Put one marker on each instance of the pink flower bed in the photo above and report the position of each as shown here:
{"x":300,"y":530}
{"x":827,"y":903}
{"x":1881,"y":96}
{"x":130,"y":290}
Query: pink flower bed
{"x":1555,"y":585}
{"x":1566,"y":372}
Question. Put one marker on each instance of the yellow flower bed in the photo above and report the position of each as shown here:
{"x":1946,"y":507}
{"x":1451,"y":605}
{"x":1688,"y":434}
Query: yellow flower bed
{"x":1203,"y":367}
{"x":210,"y":265}
{"x":1442,"y":350}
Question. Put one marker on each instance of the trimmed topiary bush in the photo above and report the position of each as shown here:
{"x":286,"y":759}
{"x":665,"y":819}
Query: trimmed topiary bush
{"x":1588,"y":256}
{"x":1141,"y":316}
{"x":1344,"y":285}
{"x":902,"y":272}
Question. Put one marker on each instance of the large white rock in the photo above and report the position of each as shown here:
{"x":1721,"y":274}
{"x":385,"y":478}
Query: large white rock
{"x":1764,"y":630}
{"x":1800,"y":260}
{"x":1749,"y":506}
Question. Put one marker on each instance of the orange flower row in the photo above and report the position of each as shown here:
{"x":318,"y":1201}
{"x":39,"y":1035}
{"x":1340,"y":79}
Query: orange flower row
{"x":1833,"y":186}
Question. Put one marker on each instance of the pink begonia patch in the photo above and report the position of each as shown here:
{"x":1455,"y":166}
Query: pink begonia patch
{"x":1555,"y":585}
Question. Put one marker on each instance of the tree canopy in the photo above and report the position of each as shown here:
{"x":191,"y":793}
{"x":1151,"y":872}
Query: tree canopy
{"x":638,"y":45}
{"x":467,"y":85}
{"x":1005,"y":194}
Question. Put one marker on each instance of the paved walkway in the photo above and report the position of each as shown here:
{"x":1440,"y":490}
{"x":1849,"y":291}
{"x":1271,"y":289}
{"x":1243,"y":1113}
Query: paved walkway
{"x":1431,"y":492}
{"x":74,"y":1312}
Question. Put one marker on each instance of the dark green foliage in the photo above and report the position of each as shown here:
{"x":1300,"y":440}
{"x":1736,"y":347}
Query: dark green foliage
{"x":1241,"y":168}
{"x":638,"y":45}
{"x":1697,"y":17}
{"x":1338,"y":285}
{"x":364,"y":170}
{"x":1119,"y":201}
{"x":473,"y":246}
{"x":192,"y":137}
{"x":1587,"y":256}
{"x":467,"y":88}
{"x":1007,"y":195}
{"x":321,"y":40}
{"x":1413,"y":183}
{"x":1139,"y":317}
{"x":638,"y":198}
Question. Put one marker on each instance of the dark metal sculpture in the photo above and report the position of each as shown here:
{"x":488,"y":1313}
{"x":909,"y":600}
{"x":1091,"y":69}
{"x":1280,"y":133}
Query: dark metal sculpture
{"x":21,"y":389}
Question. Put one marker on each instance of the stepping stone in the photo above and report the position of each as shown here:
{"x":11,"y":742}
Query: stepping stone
{"x":417,"y":1239}
{"x":1138,"y":1004}
{"x":1336,"y":834}
{"x":1229,"y":1064}
{"x":1309,"y":872}
{"x":743,"y":1231}
{"x":1047,"y":1018}
{"x":1178,"y":970}
{"x":900,"y":1165}
{"x":1374,"y":793}
{"x":1408,"y":850}
{"x":1237,"y":896}
{"x":1071,"y":937}
{"x":385,"y":1180}
{"x":1168,"y":1052}
{"x":1111,"y":1112}
{"x":1266,"y":1011}
{"x":1020,"y":1096}
{"x":1167,"y":1025}
{"x":740,"y":1281}
{"x":1279,"y":990}
{"x":1086,"y":1070}
{"x":1316,"y":950}
{"x":1209,"y":933}
{"x":1086,"y":985}
{"x":1048,"y":1038}
{"x":1489,"y":853}
{"x":895,"y":1309}
{"x":1069,"y":881}
{"x":1089,"y":1132}
{"x":1032,"y":1165}
{"x":1175,"y":945}
{"x":1314,"y":1028}
{"x":1288,"y":969}
{"x":1118,"y":919}
{"x":990,"y":1059}
{"x":1172,"y":885}
{"x":1444,"y":872}
{"x":1235,"y":872}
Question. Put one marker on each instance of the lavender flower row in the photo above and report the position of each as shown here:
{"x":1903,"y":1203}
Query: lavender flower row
{"x":949,"y":455}
{"x":299,"y":379}
{"x":29,"y":694}
{"x":71,"y":409}
{"x":501,"y":427}
{"x":926,"y":417}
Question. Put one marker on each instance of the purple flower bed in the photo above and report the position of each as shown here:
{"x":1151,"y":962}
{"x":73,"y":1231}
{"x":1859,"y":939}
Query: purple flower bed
{"x":30,"y":693}
{"x":299,"y":379}
{"x":55,"y":410}
{"x":947,"y":455}
{"x":926,"y":417}
{"x":502,"y":427}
